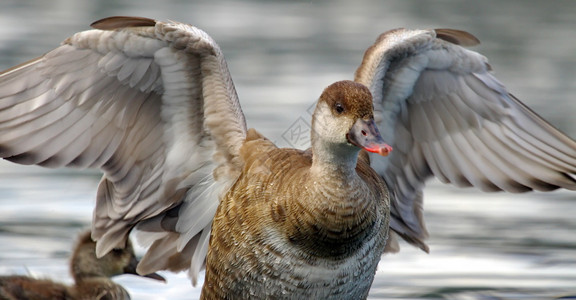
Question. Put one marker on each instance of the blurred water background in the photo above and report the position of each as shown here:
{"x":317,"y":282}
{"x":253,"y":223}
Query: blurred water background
{"x":281,"y":55}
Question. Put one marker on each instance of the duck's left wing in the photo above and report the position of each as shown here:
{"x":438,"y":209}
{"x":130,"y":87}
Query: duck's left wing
{"x":446,"y":115}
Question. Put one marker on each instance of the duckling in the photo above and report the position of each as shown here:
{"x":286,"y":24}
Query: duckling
{"x":91,"y":276}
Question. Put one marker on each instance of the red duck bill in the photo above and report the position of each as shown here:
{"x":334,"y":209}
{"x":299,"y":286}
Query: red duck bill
{"x":365,"y":134}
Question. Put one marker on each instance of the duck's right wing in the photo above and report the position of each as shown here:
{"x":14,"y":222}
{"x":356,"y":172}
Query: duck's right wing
{"x":153,"y":106}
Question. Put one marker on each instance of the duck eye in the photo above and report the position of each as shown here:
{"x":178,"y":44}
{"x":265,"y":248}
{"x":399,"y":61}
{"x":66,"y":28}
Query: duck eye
{"x":117,"y":251}
{"x":339,"y":108}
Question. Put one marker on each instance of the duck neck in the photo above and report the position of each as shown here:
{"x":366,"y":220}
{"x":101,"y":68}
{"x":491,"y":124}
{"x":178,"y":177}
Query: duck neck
{"x":83,"y":269}
{"x":83,"y":277}
{"x":330,"y":161}
{"x":338,"y":212}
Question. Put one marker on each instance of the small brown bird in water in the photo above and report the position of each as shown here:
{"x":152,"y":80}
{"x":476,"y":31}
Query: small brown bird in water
{"x":91,"y":276}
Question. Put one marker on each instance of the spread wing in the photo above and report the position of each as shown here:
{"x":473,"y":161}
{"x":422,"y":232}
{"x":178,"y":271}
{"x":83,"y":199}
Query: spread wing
{"x":447,"y":116}
{"x":153,"y":106}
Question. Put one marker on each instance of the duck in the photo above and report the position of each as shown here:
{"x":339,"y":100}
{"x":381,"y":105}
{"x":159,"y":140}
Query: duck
{"x":91,"y":276}
{"x":152,"y":105}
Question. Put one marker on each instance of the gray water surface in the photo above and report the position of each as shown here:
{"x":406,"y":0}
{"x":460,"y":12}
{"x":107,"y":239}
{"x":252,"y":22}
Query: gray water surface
{"x":281,"y":55}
